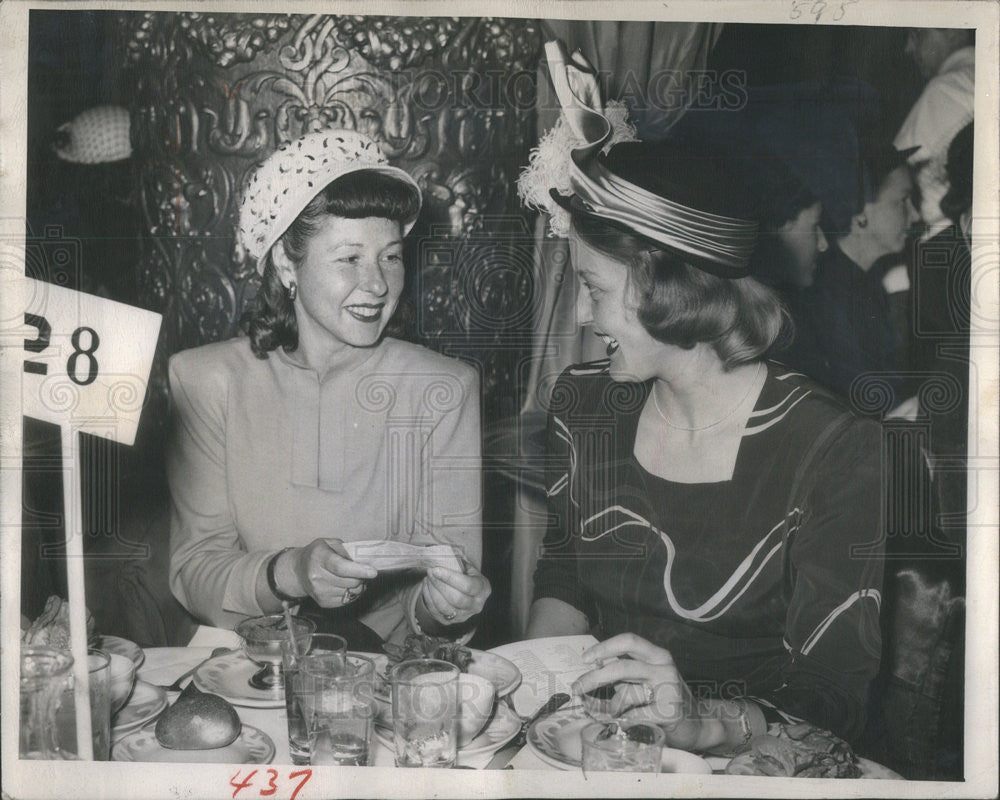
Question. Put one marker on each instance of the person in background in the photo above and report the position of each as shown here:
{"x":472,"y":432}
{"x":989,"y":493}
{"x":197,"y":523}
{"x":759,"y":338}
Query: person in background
{"x":946,"y":59}
{"x":942,"y":303}
{"x":849,"y":302}
{"x":315,"y":428}
{"x":791,"y":239}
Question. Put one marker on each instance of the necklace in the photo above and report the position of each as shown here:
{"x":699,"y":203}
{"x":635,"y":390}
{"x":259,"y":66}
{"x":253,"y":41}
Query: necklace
{"x":720,"y":420}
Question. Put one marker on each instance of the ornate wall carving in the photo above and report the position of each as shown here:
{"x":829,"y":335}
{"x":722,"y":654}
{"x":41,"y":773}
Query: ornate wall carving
{"x":450,"y":100}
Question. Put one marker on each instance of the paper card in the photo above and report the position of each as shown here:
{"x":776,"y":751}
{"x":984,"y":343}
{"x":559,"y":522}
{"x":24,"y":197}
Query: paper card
{"x":387,"y":556}
{"x":86,"y":360}
{"x":547,"y":665}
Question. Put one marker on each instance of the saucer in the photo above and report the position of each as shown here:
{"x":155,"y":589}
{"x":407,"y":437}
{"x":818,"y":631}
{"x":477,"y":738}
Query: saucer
{"x":228,"y":675}
{"x":145,"y":704}
{"x":555,"y":739}
{"x":252,"y":746}
{"x":500,"y":730}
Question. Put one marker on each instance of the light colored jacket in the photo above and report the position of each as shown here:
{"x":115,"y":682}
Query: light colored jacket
{"x":267,"y":454}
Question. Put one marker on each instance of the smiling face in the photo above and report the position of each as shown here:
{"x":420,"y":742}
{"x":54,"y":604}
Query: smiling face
{"x":606,"y":303}
{"x":892,"y":213}
{"x":349,"y":282}
{"x":803,"y":241}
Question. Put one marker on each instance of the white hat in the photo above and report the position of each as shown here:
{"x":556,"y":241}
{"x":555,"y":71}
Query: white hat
{"x":284,"y":183}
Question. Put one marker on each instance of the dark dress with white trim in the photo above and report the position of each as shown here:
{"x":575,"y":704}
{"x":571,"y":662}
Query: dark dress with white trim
{"x":766,"y":585}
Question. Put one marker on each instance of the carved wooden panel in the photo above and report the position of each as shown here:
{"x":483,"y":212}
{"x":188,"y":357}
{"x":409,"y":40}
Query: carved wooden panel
{"x":450,"y":99}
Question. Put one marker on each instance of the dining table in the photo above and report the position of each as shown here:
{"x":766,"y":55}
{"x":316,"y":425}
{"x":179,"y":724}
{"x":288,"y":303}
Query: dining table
{"x":161,"y":666}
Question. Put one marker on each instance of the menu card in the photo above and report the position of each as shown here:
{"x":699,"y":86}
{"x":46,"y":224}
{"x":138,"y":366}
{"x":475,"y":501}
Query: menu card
{"x":547,"y":666}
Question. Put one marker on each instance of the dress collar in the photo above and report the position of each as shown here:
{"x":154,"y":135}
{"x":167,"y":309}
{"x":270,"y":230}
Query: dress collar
{"x":348,"y":359}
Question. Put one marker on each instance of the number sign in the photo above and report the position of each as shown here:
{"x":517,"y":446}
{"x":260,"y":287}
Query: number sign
{"x":87,"y":363}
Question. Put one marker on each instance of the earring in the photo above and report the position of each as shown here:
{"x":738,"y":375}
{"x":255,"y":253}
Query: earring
{"x":293,"y":289}
{"x":862,"y":221}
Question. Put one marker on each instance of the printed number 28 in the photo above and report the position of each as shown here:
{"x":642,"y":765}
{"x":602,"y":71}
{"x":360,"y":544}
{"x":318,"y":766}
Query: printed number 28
{"x":82,"y":357}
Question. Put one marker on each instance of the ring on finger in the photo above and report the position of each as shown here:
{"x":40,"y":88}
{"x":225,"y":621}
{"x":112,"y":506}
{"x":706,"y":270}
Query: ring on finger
{"x":350,"y":595}
{"x":449,"y":615}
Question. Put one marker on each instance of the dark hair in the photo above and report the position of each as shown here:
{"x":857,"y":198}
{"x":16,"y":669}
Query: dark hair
{"x":780,"y":198}
{"x":779,"y":194}
{"x":270,"y":321}
{"x":958,"y":199}
{"x":682,"y":305}
{"x":876,"y":167}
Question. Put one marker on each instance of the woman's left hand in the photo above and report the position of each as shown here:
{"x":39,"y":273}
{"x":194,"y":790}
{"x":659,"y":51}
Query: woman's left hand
{"x":649,"y":686}
{"x":451,"y":597}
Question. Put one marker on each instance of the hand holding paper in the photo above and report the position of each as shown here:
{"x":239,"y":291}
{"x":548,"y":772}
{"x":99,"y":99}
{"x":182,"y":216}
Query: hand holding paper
{"x":325,"y":571}
{"x":452,"y":597}
{"x":389,"y":556}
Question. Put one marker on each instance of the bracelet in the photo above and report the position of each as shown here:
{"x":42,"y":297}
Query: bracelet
{"x":272,"y":584}
{"x":745,"y":729}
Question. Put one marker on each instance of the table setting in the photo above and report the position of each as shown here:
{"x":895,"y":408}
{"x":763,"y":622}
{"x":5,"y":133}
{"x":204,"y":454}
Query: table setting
{"x":214,"y":662}
{"x":511,"y":709}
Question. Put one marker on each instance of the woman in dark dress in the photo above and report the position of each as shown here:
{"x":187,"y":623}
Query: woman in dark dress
{"x":849,"y":304}
{"x":714,"y":517}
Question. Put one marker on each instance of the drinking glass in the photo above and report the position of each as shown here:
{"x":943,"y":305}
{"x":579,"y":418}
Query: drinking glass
{"x":622,"y":747}
{"x":342,"y":708}
{"x":262,"y":642}
{"x":45,"y":674}
{"x":425,"y":713}
{"x":99,"y":672}
{"x":314,"y":644}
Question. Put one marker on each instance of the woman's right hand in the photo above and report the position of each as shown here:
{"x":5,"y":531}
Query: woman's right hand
{"x":325,"y":573}
{"x":648,"y":686}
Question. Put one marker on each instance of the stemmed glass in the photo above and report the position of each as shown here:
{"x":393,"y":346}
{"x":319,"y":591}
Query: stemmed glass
{"x":262,"y":638}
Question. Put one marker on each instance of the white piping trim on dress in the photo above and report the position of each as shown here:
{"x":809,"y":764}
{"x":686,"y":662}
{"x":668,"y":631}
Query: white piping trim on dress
{"x":765,"y":411}
{"x":820,"y":629}
{"x":764,"y":426}
{"x":787,"y":375}
{"x":562,"y":431}
{"x":707,"y":611}
{"x":558,"y":486}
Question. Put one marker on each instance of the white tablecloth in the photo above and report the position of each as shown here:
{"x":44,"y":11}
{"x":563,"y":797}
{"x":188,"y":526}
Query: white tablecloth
{"x":164,"y":664}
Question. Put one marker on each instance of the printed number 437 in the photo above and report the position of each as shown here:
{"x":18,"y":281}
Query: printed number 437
{"x":270,"y":787}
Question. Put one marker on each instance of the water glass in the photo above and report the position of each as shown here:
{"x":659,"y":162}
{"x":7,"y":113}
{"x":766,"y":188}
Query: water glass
{"x":45,"y":674}
{"x":622,"y":747}
{"x":425,"y":713}
{"x":342,"y":713}
{"x":99,"y":672}
{"x":312,"y":645}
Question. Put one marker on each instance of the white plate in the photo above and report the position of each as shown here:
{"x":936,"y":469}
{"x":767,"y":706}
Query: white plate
{"x":228,"y":675}
{"x":123,"y":647}
{"x":145,"y":704}
{"x":503,"y":674}
{"x":498,"y":670}
{"x":253,"y":746}
{"x":501,"y":729}
{"x":555,"y":739}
